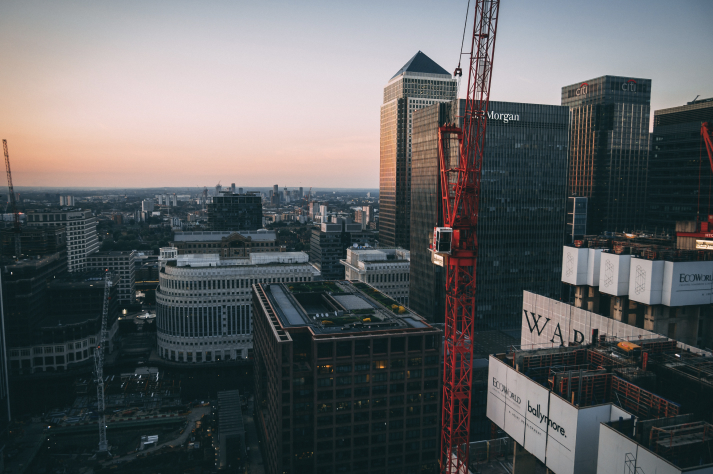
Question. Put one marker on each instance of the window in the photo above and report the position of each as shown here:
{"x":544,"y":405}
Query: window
{"x":397,"y":363}
{"x":344,"y":368}
{"x":325,"y":382}
{"x":362,"y":378}
{"x":379,"y":365}
{"x":324,"y":350}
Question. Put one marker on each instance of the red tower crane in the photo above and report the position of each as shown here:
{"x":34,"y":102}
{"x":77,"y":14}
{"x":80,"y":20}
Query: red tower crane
{"x":706,"y":133}
{"x":13,"y":202}
{"x":704,"y":229}
{"x":457,"y":242}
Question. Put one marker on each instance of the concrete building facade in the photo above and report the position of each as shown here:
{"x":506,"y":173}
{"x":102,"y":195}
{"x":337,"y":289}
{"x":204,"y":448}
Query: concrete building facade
{"x":81,"y":227}
{"x":203,"y":304}
{"x":122,"y":264}
{"x":387,"y":270}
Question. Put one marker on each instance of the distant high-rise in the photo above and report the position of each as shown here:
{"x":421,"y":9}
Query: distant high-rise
{"x":275,"y":195}
{"x":420,"y":83}
{"x":609,"y":150}
{"x":521,"y":219}
{"x":235,"y":212}
{"x":679,"y":172}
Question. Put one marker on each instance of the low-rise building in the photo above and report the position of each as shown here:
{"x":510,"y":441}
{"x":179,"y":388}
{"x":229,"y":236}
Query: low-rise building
{"x":385,"y":269}
{"x":204,"y":310}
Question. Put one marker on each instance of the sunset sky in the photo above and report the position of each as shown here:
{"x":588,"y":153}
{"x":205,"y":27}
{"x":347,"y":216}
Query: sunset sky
{"x":187,"y":93}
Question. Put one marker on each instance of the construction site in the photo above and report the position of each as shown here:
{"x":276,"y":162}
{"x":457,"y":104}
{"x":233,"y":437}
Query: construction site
{"x":653,"y":392}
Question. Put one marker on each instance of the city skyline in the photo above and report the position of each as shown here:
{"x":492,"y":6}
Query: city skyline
{"x":136,"y":95}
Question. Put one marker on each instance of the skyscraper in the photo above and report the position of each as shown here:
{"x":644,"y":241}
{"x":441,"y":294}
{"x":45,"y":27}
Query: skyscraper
{"x":420,"y":83}
{"x":679,"y":172}
{"x":609,"y":149}
{"x":522,"y":209}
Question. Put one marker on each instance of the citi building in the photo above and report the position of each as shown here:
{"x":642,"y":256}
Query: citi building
{"x":609,"y":150}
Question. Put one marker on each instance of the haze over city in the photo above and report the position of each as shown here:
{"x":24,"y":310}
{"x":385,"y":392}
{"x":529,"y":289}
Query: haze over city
{"x":133,"y":94}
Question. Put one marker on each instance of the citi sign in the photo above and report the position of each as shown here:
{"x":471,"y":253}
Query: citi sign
{"x":629,"y":86}
{"x":694,"y":277}
{"x":582,"y":89}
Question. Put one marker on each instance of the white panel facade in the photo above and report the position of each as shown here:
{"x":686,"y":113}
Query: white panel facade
{"x":515,"y":406}
{"x":588,"y":426}
{"x":687,"y":283}
{"x":561,"y":436}
{"x":574,"y":265}
{"x":594,"y":258}
{"x":497,"y":392}
{"x":536,"y":405}
{"x":614,"y":274}
{"x":647,"y":462}
{"x":646,"y":280}
{"x":616,"y":454}
{"x":545,"y":319}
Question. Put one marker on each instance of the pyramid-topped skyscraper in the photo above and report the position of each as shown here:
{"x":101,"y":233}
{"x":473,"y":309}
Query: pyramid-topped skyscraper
{"x":419,"y":83}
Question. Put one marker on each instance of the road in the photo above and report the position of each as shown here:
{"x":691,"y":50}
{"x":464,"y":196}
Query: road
{"x":255,"y":465}
{"x":195,"y":415}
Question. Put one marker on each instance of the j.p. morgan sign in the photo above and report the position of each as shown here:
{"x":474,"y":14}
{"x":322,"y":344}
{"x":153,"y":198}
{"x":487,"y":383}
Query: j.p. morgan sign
{"x":505,"y":118}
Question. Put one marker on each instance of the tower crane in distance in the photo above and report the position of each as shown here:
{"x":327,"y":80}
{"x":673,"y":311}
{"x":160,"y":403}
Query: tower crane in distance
{"x":99,"y":365}
{"x":13,"y":202}
{"x":455,"y":245}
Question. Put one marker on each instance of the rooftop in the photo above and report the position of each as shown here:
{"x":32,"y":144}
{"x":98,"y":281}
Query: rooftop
{"x":216,"y":236}
{"x":420,"y":63}
{"x":331,"y":307}
{"x":263,"y":258}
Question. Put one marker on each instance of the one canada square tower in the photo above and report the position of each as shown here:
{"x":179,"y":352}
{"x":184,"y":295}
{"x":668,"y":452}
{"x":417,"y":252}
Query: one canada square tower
{"x":420,"y":83}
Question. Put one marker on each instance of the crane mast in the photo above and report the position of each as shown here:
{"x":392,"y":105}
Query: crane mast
{"x":99,"y":365}
{"x":13,"y":202}
{"x":706,"y":134}
{"x":457,"y":242}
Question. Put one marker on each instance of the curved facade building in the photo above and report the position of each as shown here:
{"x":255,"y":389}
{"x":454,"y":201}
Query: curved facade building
{"x":203,"y":303}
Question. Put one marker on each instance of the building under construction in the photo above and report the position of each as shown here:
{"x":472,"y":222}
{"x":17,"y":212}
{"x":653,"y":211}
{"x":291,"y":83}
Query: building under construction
{"x":633,"y":406}
{"x":659,"y":283}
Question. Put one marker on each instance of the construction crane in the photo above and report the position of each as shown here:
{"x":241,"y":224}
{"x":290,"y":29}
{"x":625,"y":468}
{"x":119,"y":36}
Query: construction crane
{"x":704,"y":227}
{"x":455,"y":245}
{"x":99,"y":365}
{"x":13,"y":202}
{"x":705,"y":133}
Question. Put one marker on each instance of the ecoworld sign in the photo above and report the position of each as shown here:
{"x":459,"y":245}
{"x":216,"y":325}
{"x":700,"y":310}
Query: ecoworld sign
{"x":505,"y":118}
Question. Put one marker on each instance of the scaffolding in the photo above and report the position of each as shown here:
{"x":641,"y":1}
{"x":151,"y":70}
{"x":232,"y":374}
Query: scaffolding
{"x":640,"y":402}
{"x":686,"y":445}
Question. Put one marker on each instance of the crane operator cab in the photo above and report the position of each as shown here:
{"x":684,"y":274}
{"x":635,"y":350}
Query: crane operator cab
{"x":442,"y":240}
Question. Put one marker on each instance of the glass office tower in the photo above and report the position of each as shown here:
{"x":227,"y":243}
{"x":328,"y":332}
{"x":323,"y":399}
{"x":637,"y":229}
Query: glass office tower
{"x":609,"y":150}
{"x":420,"y":83}
{"x":679,"y":186}
{"x":522,"y":210}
